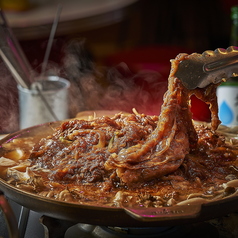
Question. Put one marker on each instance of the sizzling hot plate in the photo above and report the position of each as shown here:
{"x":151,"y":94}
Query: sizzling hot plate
{"x":106,"y":215}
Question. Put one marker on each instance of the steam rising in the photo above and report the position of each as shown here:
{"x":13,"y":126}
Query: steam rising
{"x":92,"y":87}
{"x":117,"y":88}
{"x":8,"y":101}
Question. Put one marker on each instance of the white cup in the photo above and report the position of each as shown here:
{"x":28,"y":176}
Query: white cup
{"x":46,"y":101}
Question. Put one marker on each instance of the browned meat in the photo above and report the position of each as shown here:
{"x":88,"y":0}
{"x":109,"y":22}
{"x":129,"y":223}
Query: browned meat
{"x":79,"y":149}
{"x":133,"y":159}
{"x":138,"y":148}
{"x":164,"y":150}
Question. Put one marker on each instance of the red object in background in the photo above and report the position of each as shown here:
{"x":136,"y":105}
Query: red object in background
{"x":157,"y":58}
{"x":150,"y":58}
{"x":200,"y":110}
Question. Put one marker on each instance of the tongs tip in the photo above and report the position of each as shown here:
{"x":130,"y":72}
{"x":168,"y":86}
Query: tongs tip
{"x":200,"y":70}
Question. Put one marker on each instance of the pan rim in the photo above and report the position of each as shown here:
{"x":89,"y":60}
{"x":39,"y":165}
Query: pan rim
{"x":13,"y":189}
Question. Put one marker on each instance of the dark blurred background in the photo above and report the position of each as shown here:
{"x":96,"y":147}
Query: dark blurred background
{"x":195,"y":25}
{"x":145,"y":34}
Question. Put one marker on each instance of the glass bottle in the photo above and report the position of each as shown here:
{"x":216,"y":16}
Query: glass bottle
{"x":227,"y":92}
{"x":234,"y":26}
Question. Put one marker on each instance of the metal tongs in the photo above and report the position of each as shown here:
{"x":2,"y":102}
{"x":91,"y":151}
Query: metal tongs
{"x":200,"y":70}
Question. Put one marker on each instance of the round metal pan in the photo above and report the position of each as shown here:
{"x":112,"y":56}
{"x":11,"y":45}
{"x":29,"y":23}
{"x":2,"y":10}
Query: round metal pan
{"x":106,"y":215}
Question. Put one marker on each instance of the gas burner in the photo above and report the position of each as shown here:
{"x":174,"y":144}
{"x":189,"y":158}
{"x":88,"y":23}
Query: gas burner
{"x":54,"y":227}
{"x":80,"y":230}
